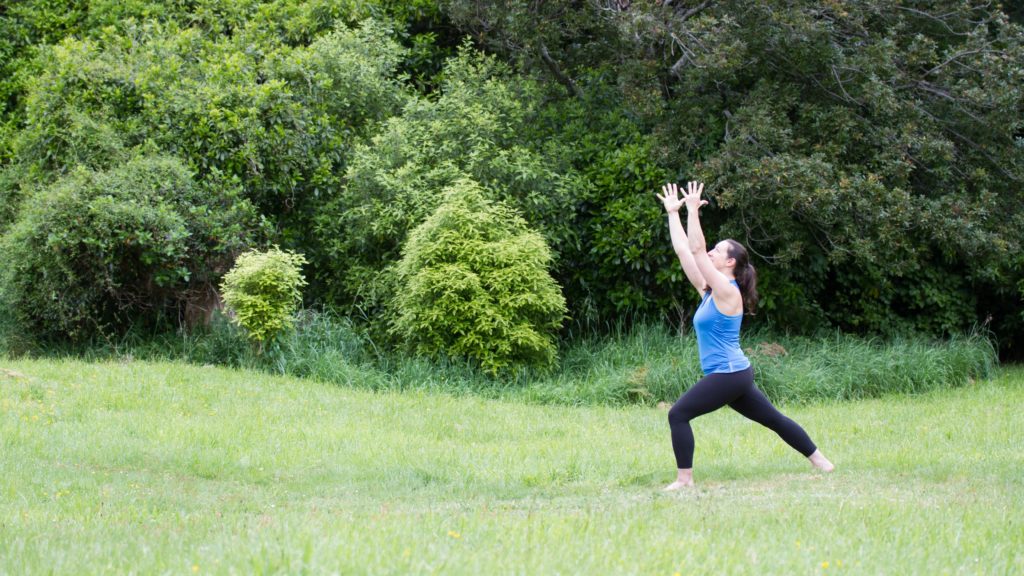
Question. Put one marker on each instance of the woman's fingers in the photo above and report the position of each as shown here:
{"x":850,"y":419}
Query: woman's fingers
{"x":670,"y":191}
{"x":694,"y":188}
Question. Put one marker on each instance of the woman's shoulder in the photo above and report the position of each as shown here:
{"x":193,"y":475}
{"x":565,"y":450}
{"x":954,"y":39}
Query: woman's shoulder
{"x":732,"y":289}
{"x":728,"y":298}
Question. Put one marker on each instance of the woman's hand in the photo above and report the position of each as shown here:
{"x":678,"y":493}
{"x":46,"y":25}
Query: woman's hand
{"x":670,"y":198}
{"x":692,"y":196}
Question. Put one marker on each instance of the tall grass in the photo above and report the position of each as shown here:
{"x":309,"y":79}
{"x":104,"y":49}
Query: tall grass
{"x":646,"y":364}
{"x":651,"y":364}
{"x":842,"y":367}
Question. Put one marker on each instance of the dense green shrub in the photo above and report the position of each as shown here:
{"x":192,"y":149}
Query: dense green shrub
{"x":474,"y":283}
{"x":263,"y":291}
{"x":81,"y":109}
{"x":10,"y":337}
{"x":472,"y":130}
{"x":621,"y":265}
{"x":280,"y":119}
{"x":97,"y":251}
{"x":258,"y":29}
{"x":869,"y":153}
{"x":10,"y":195}
{"x":273,"y":109}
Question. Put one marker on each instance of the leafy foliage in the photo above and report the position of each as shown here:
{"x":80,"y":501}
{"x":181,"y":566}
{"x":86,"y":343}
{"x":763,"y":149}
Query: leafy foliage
{"x":868,"y":153}
{"x":263,"y":290}
{"x":278,"y":118}
{"x":615,"y":265}
{"x":474,"y":283}
{"x":472,"y":130}
{"x":273,"y":123}
{"x":99,"y":250}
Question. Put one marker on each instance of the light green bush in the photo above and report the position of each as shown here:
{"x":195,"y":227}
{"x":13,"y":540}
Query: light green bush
{"x":474,"y":283}
{"x":264,"y":290}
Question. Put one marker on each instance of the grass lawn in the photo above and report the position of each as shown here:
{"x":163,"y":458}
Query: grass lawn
{"x":171,"y":468}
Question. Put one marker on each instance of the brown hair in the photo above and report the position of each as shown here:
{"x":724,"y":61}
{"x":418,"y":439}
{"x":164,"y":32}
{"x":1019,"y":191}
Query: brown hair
{"x":746,"y":275}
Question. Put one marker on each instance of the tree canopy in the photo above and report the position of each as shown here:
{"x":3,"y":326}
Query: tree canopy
{"x":869,"y":154}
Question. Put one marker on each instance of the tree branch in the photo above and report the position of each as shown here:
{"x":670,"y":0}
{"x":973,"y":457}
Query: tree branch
{"x":938,"y":19}
{"x":695,"y":10}
{"x":557,"y":71}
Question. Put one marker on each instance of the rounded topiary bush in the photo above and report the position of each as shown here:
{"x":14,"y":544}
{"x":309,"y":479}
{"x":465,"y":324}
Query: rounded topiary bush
{"x":263,"y":291}
{"x":474,"y":283}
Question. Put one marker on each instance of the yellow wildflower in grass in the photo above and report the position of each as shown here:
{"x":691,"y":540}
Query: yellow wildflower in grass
{"x":454,"y":534}
{"x":824,"y":565}
{"x":195,"y":567}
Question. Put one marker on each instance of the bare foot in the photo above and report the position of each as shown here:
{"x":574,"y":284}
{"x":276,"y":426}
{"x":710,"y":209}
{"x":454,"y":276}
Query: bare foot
{"x":684,"y":479}
{"x":819,"y":461}
{"x":677,"y":485}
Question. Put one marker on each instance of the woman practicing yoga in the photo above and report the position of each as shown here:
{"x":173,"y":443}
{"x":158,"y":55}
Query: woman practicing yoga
{"x":727,"y":283}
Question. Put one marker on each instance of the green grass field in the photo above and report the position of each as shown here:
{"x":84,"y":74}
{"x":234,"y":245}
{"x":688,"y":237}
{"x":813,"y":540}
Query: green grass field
{"x":170,"y":468}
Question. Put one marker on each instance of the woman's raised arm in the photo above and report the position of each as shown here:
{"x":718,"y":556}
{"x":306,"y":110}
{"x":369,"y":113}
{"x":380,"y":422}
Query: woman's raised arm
{"x":718,"y":282}
{"x":670,"y":198}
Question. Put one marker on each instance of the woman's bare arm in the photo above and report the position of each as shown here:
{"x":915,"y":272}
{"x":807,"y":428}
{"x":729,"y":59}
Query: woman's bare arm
{"x":679,"y":241}
{"x":720,"y":285}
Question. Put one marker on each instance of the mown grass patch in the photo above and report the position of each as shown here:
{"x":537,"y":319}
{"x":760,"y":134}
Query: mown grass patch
{"x":153,"y":467}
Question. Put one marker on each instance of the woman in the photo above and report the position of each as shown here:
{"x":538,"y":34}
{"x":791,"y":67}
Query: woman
{"x":727,"y":283}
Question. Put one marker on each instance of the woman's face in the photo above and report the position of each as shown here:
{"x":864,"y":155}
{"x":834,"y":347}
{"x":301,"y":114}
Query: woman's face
{"x":719,"y":256}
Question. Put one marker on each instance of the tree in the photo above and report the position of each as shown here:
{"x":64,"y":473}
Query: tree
{"x":473,"y":129}
{"x":868,"y":153}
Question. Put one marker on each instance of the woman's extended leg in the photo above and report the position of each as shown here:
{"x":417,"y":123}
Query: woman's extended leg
{"x":756,"y":406}
{"x":709,"y":394}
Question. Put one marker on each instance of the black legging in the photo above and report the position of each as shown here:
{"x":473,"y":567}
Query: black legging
{"x":738,"y":391}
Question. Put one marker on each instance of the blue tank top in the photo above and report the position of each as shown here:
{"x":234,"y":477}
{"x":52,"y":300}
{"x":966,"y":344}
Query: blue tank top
{"x":718,"y":338}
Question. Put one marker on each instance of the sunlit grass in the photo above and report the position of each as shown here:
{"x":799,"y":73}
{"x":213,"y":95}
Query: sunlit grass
{"x":165,"y":467}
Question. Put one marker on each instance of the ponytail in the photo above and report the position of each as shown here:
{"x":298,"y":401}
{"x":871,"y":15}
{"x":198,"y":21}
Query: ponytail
{"x":747,"y":279}
{"x":746,"y":275}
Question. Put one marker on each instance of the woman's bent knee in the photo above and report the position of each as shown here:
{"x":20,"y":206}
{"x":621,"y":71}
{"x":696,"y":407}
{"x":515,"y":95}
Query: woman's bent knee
{"x":678,"y":414}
